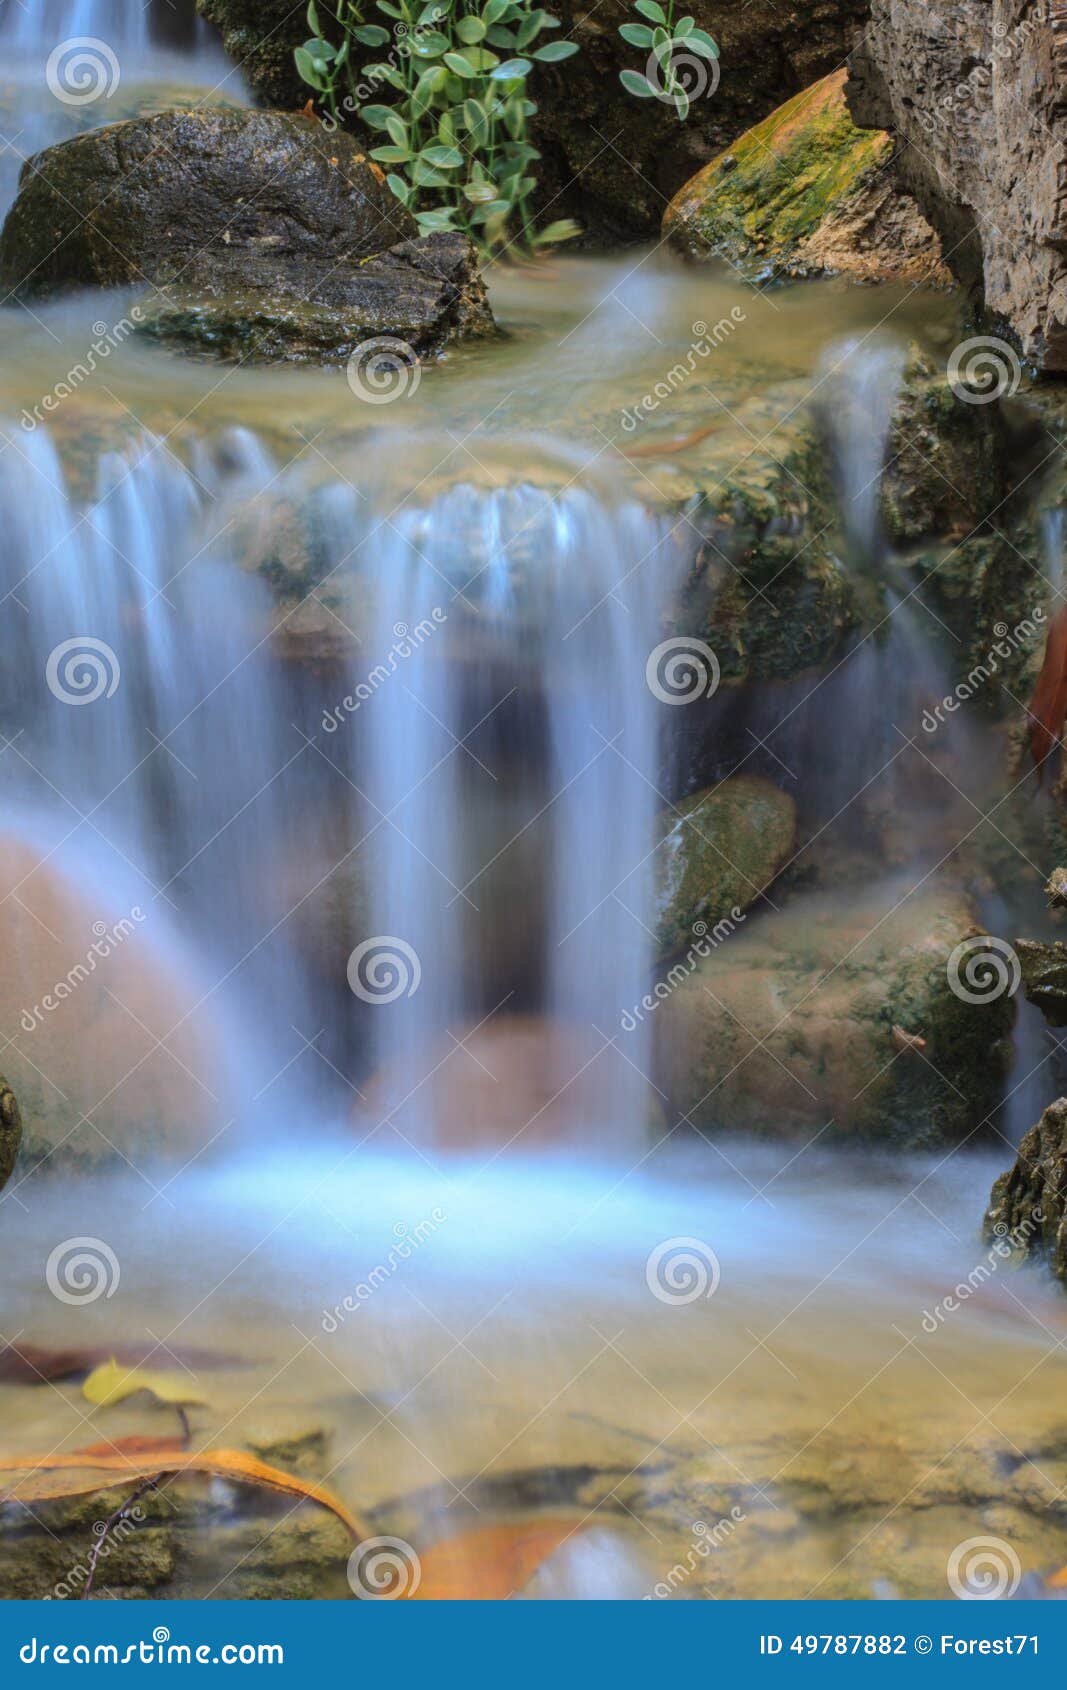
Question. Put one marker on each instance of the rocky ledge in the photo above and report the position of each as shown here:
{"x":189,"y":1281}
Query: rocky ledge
{"x":260,"y":235}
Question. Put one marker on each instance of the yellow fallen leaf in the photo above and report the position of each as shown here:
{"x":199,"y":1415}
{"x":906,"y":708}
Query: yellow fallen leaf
{"x":109,"y":1384}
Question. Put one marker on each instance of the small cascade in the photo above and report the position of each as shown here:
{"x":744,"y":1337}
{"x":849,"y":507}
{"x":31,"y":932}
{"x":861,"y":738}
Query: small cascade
{"x":148,"y":730}
{"x":855,"y":395}
{"x":1053,"y":541}
{"x":509,"y":769}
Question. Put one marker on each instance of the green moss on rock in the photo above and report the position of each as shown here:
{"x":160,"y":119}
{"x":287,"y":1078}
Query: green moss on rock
{"x":775,"y":185}
{"x":718,"y":851}
{"x":793,"y":1026}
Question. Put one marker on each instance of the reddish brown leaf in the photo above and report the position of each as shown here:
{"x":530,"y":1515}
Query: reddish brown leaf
{"x":668,"y":448}
{"x":52,"y":1476}
{"x":1047,"y":710}
{"x":491,"y":1563}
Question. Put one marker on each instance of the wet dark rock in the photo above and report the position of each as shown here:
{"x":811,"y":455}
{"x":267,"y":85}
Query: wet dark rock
{"x":426,"y":293}
{"x":1044,"y":969}
{"x":10,"y":1131}
{"x":214,"y":198}
{"x":1028,"y":1204}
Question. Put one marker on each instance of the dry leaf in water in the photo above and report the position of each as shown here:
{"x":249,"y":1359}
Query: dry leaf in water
{"x":490,"y":1563}
{"x":49,"y":1477}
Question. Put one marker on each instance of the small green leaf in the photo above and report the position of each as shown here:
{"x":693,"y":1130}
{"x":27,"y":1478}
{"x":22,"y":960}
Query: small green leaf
{"x":480,"y":193}
{"x":425,"y":176}
{"x":511,"y":70}
{"x":683,"y":27}
{"x":377,"y":116}
{"x":650,"y":9}
{"x":460,"y":65}
{"x":313,"y":18}
{"x":430,"y":221}
{"x":445,"y":158}
{"x":493,"y":11}
{"x":700,"y":43}
{"x":318,"y":49}
{"x":370,"y":35}
{"x":635,"y":84}
{"x":430,"y":44}
{"x":471,"y":30}
{"x":681,"y":103}
{"x":564,"y":229}
{"x":553,"y":51}
{"x":637,"y":34}
{"x":391,"y":155}
{"x":399,"y":187}
{"x":308,"y":69}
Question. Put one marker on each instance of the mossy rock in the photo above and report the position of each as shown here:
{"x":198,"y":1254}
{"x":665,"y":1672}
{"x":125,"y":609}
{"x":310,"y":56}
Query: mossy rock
{"x":945,"y":463}
{"x":1027,"y":1212}
{"x":10,"y":1132}
{"x":774,"y":186}
{"x":718,"y":852}
{"x":804,"y":1023}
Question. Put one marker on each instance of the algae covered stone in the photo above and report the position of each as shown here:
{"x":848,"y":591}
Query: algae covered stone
{"x":10,"y":1131}
{"x":792,"y":1026}
{"x":718,"y":851}
{"x":804,"y":192}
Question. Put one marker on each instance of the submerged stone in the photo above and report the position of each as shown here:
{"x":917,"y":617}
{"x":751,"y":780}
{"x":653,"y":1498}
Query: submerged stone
{"x":794,"y":1024}
{"x":803,"y":193}
{"x":718,"y":852}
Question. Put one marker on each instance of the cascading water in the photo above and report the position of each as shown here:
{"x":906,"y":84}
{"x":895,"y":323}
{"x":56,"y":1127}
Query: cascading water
{"x":509,"y":770}
{"x":150,"y":736}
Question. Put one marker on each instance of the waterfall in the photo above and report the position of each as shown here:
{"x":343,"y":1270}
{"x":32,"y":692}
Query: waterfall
{"x":509,"y":773}
{"x":149,"y":739}
{"x":855,"y":397}
{"x":36,"y":23}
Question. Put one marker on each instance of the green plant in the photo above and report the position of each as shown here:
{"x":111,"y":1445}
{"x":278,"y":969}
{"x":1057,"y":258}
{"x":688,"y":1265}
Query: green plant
{"x":682,"y":60}
{"x":456,"y":130}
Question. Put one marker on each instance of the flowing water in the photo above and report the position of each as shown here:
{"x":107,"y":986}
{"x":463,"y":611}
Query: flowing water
{"x":329,"y":726}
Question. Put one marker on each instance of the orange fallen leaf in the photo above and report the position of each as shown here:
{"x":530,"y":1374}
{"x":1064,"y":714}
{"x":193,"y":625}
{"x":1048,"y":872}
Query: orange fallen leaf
{"x":491,"y":1563}
{"x":1047,"y":709}
{"x":136,"y":1446}
{"x":85,"y":1474}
